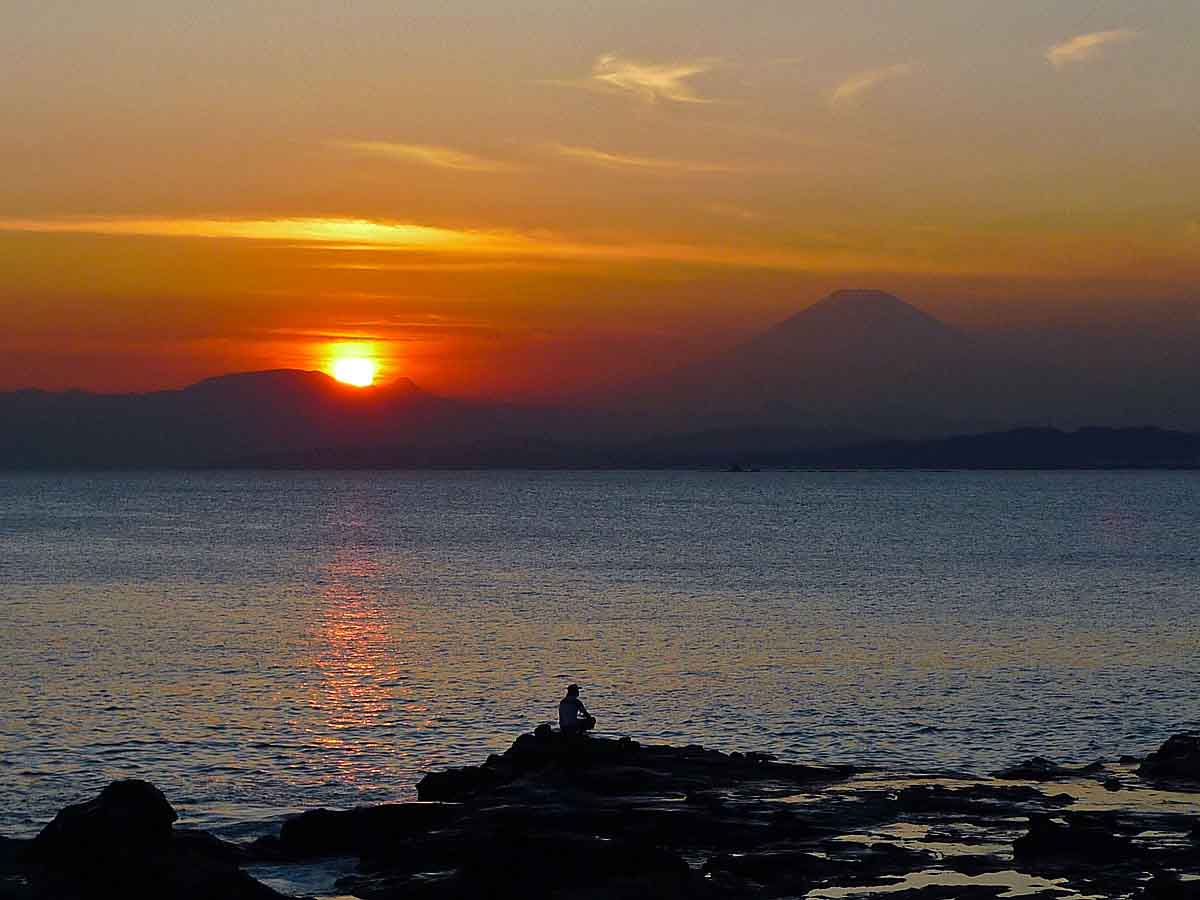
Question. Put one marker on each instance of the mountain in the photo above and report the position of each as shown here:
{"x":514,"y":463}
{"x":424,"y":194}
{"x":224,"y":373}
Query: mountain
{"x":862,"y":359}
{"x":709,"y":449}
{"x":1022,"y":448}
{"x":867,"y":360}
{"x":855,"y":365}
{"x":229,"y":417}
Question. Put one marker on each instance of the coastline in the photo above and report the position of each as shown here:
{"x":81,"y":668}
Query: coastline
{"x":597,"y":817}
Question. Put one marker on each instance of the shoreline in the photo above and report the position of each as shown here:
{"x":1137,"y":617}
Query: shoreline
{"x":662,"y":821}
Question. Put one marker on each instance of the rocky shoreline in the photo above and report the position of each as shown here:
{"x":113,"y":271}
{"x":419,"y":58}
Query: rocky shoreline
{"x":557,"y":817}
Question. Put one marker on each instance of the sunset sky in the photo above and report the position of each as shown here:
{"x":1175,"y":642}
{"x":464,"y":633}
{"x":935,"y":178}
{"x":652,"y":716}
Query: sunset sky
{"x":518,"y":199}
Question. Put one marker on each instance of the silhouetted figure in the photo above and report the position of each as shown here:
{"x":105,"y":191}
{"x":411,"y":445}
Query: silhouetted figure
{"x":573,"y":717}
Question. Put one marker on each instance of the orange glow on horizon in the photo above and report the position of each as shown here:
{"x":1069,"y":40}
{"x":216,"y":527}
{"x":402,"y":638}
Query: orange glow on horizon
{"x":355,"y":363}
{"x":356,"y":370}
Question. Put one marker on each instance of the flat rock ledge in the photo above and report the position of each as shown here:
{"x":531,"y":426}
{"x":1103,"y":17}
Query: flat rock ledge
{"x":590,"y":817}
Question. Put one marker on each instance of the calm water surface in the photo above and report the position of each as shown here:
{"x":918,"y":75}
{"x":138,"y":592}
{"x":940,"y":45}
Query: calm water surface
{"x":260,"y":643}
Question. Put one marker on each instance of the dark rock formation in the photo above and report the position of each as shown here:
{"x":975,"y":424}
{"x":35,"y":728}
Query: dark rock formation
{"x":1178,"y":758}
{"x":127,"y":818}
{"x":1169,"y":886}
{"x":122,"y":844}
{"x":533,"y":866}
{"x":974,"y":799}
{"x":555,"y":818}
{"x":1079,"y":837}
{"x":326,"y":832}
{"x":1041,"y":769}
{"x":788,"y":871}
{"x":616,"y":767}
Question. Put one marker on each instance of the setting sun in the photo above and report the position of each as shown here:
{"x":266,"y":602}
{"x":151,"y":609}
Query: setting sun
{"x":357,"y":371}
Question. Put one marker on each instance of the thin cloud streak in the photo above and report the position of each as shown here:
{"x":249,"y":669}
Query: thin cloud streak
{"x":850,"y":91}
{"x":1084,"y":47}
{"x":652,"y":81}
{"x":511,"y":247}
{"x":425,"y":154}
{"x":363,"y":232}
{"x":596,"y":157}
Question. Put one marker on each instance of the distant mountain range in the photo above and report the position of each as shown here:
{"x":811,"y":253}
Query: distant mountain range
{"x":861,"y":359}
{"x":226,"y":418}
{"x":1021,"y":448}
{"x":860,"y":378}
{"x":866,"y":360}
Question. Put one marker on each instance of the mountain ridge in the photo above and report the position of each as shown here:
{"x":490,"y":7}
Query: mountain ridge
{"x":856,"y":363}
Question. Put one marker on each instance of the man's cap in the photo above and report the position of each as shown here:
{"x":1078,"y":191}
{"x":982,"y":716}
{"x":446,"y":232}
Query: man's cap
{"x":572,"y":689}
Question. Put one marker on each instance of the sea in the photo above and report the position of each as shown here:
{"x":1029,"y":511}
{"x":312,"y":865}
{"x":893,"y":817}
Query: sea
{"x":258,"y":643}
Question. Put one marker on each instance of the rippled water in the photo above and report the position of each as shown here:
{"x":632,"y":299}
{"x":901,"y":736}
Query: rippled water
{"x":260,"y":643}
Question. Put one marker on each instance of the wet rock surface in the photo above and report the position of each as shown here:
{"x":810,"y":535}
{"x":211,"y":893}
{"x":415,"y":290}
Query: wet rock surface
{"x":592,"y":817}
{"x":1178,"y":758}
{"x":1041,"y":769}
{"x":615,"y":767}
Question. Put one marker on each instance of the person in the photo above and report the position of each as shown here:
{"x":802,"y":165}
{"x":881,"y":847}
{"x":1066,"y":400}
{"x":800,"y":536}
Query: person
{"x":573,"y":717}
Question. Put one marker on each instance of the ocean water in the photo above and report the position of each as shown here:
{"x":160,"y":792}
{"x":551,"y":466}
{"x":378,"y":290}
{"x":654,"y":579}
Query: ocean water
{"x":260,"y":643}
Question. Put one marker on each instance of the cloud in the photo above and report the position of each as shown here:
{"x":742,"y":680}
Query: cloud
{"x":850,"y":91}
{"x":651,"y":81}
{"x":645,"y":163}
{"x":428,"y":244}
{"x":438,"y":157}
{"x":1087,"y":46}
{"x":305,"y":231}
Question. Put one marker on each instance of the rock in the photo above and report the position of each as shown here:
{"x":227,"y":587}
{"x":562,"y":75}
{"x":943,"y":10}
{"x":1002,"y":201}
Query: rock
{"x":1079,"y":837}
{"x":976,"y":798}
{"x":128,"y":818}
{"x":459,"y":784}
{"x":1169,"y":886}
{"x":614,"y":767}
{"x":326,"y":832}
{"x":1041,"y":769}
{"x":1177,"y":758}
{"x":530,"y":866}
{"x":560,"y":864}
{"x":122,"y":844}
{"x":1127,"y":760}
{"x":784,"y":871}
{"x":789,"y":870}
{"x":1112,"y":784}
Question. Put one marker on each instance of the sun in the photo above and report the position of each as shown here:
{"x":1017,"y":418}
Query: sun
{"x":356,"y":370}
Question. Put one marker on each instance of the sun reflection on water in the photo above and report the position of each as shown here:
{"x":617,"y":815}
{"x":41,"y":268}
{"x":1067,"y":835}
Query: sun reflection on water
{"x":360,"y":692}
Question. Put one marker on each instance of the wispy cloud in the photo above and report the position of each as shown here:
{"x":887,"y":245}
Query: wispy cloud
{"x":347,"y":232}
{"x":393,"y":331}
{"x":425,"y":154}
{"x":596,"y":157}
{"x":427,"y":245}
{"x":651,"y":81}
{"x":1084,"y":47}
{"x":850,"y":91}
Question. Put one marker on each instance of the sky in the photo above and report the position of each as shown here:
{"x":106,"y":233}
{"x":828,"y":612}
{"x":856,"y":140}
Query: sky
{"x":523,"y":199}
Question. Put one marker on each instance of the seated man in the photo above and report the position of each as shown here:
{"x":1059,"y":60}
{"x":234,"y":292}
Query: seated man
{"x":573,"y":717}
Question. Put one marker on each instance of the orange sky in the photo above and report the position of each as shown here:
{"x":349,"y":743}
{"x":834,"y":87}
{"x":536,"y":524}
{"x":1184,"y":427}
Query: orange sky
{"x":519,"y":199}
